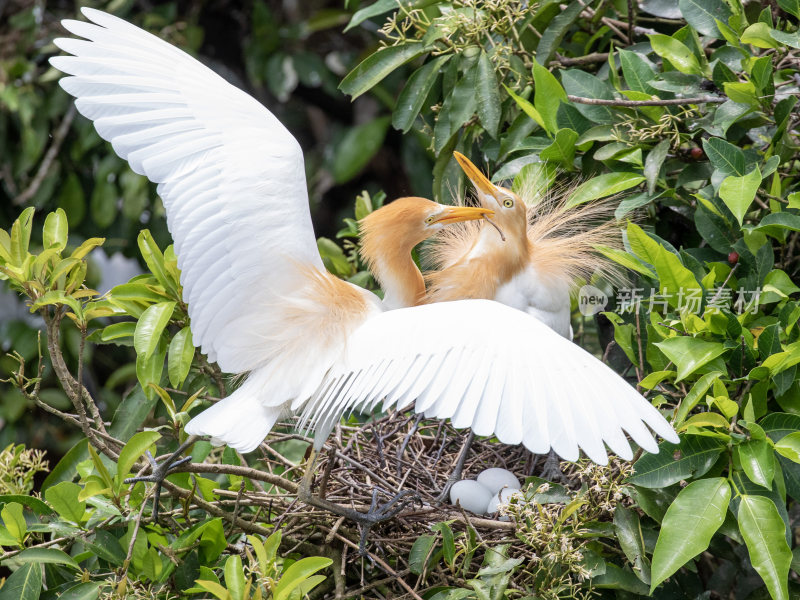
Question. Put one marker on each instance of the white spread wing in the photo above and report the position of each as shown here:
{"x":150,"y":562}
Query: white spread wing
{"x":230,"y":175}
{"x":492,"y":368}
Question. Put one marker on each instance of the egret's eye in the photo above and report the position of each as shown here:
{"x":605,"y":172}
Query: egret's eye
{"x":430,"y":219}
{"x":508,"y":203}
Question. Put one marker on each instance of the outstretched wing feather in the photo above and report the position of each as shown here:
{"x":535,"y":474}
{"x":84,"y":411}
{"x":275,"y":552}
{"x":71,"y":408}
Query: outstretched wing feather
{"x":499,"y":371}
{"x":230,"y":175}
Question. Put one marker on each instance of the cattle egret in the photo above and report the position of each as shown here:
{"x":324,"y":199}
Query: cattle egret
{"x":534,"y":267}
{"x":260,"y":301}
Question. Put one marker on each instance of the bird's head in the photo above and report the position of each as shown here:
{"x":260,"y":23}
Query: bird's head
{"x":511,"y":213}
{"x":408,"y":221}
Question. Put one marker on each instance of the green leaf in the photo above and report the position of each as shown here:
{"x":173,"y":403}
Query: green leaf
{"x":642,"y":244}
{"x":297,"y":573}
{"x":54,"y":234}
{"x":63,"y":497}
{"x":764,"y":533}
{"x":562,"y":150}
{"x":676,"y":53}
{"x":412,"y":99}
{"x":448,"y":541}
{"x":82,"y":591}
{"x":150,"y":326}
{"x":131,"y":413}
{"x":24,"y":584}
{"x":586,"y":85}
{"x":86,"y":246}
{"x":180,"y":356}
{"x":693,"y":457}
{"x":676,"y":283}
{"x":107,"y":547}
{"x":603,"y":185}
{"x":138,"y":292}
{"x":694,"y":396}
{"x":691,"y":521}
{"x":234,"y":577}
{"x":758,"y":461}
{"x":789,"y":446}
{"x":628,"y":530}
{"x":526,"y":107}
{"x":725,"y":157}
{"x":758,"y":35}
{"x":743,"y":92}
{"x":39,"y":507}
{"x":378,"y":65}
{"x":789,"y":39}
{"x":380,"y":7}
{"x":555,"y":32}
{"x":637,"y":71}
{"x":116,"y":331}
{"x":689,"y":354}
{"x":132,"y":451}
{"x":703,"y":14}
{"x":14,"y":520}
{"x":21,"y":236}
{"x":457,"y":108}
{"x":420,"y":552}
{"x":790,"y":6}
{"x":154,"y":259}
{"x":66,"y":469}
{"x":214,"y":588}
{"x":652,"y":164}
{"x":333,"y":257}
{"x":357,"y":148}
{"x":51,"y":556}
{"x":625,"y":259}
{"x":487,"y":95}
{"x":776,"y":223}
{"x":548,"y":96}
{"x":738,"y":193}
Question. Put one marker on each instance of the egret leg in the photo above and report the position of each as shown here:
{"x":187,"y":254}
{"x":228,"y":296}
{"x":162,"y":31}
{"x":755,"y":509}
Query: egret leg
{"x":552,"y":468}
{"x":365,"y":520}
{"x":160,"y":470}
{"x":459,"y":468}
{"x":402,"y":449}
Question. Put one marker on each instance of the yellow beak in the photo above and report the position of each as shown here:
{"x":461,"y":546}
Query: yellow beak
{"x":456,"y":214}
{"x":478,"y":179}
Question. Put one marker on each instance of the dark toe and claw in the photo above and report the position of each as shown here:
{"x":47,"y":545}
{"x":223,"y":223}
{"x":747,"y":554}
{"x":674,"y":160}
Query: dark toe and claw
{"x":377,"y":513}
{"x":551,"y":470}
{"x":160,"y":470}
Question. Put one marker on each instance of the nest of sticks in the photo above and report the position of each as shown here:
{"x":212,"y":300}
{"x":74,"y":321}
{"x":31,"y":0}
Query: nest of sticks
{"x":365,"y":465}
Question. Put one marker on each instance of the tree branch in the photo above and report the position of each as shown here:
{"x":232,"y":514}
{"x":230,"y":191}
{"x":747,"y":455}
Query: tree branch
{"x":636,"y":103}
{"x":44,"y":168}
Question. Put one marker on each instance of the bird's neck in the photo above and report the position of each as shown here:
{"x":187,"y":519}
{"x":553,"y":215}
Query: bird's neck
{"x":391,"y":264}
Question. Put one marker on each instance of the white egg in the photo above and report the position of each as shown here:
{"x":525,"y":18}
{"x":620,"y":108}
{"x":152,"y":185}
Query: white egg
{"x":500,"y":498}
{"x":495,"y":479}
{"x":471,"y":495}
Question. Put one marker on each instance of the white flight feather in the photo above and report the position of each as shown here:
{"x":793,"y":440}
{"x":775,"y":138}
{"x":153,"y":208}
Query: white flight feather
{"x":233,"y":184}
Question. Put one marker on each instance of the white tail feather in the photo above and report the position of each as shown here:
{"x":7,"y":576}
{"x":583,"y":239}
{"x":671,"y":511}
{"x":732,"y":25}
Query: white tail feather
{"x":241,"y":420}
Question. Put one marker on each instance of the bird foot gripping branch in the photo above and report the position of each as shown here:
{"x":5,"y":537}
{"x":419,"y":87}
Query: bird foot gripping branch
{"x":376,"y":514}
{"x":160,"y":470}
